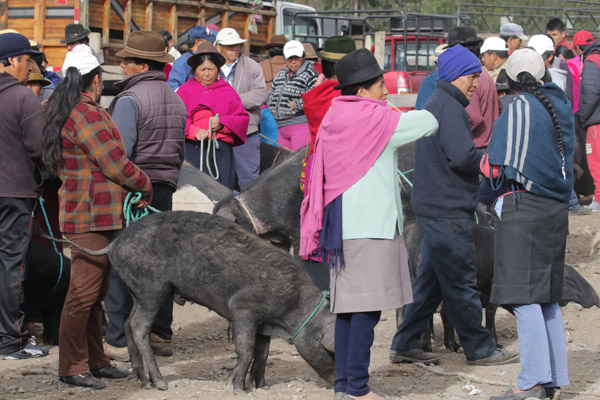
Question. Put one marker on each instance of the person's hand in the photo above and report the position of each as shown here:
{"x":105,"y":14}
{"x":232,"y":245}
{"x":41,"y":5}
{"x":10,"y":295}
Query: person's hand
{"x":141,"y":203}
{"x":292,"y":104}
{"x":202,"y":134}
{"x":215,"y":124}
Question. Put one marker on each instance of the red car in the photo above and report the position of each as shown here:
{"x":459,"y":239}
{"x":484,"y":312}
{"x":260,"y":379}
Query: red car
{"x":408,"y":62}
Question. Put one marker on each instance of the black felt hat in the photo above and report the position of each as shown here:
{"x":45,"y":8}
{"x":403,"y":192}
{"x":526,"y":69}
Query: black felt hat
{"x":74,"y":33}
{"x":356,"y":67}
{"x":463,"y":35}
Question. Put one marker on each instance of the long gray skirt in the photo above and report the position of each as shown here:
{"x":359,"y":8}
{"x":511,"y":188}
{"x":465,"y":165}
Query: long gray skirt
{"x":374,"y":278}
{"x":529,"y":250}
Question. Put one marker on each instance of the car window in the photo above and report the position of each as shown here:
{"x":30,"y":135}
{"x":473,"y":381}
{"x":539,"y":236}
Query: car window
{"x":415,"y":60}
{"x":304,"y":26}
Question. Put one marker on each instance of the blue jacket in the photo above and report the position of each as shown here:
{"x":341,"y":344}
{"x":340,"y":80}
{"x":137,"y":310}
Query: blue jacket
{"x":181,"y":71}
{"x":426,"y":89}
{"x":447,"y":164}
{"x":527,"y":148}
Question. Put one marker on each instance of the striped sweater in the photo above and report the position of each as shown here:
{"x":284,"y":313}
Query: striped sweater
{"x":286,"y":88}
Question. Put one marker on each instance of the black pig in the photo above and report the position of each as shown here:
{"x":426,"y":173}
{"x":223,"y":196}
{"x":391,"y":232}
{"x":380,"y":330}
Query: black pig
{"x":211,"y":261}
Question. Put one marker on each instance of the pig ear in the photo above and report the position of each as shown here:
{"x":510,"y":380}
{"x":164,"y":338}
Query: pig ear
{"x":226,"y":213}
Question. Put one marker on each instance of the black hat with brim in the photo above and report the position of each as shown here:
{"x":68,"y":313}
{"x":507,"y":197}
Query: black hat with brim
{"x":75,"y":33}
{"x":356,"y":67}
{"x":463,"y":35}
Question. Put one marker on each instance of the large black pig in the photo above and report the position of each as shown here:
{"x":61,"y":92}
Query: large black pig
{"x":45,"y":287}
{"x":270,"y":206}
{"x":575,"y":287}
{"x":211,"y":261}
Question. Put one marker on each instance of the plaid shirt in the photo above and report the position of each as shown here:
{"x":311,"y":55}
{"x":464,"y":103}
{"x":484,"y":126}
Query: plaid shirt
{"x":97,"y":174}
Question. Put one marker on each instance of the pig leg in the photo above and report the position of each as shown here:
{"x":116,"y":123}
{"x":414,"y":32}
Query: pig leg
{"x":140,"y":322}
{"x":449,"y":338}
{"x":490,"y":320}
{"x":134,"y":353}
{"x":244,"y":335}
{"x":261,"y":353}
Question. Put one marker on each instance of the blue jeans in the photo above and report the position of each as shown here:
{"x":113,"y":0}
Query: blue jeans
{"x":542,"y":346}
{"x":354,"y":334}
{"x":446,"y":273}
{"x":573,"y":201}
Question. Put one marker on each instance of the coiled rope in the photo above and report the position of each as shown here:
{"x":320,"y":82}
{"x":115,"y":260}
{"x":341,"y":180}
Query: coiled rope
{"x":131,"y":213}
{"x":213,"y":145}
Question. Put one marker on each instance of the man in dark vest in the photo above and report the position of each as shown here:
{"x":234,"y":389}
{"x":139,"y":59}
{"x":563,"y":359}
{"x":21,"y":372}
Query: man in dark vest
{"x":151,"y":118}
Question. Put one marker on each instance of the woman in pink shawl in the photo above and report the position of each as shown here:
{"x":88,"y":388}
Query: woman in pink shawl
{"x":352,"y":213}
{"x":216,"y":118}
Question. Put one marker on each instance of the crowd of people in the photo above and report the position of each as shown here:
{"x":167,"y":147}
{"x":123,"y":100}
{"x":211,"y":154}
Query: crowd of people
{"x":508,"y":122}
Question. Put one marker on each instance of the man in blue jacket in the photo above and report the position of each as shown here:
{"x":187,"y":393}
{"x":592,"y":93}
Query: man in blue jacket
{"x":443,"y":199}
{"x":181,"y":71}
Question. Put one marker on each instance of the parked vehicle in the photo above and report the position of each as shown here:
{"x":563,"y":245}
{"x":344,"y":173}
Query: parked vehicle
{"x":410,"y":39}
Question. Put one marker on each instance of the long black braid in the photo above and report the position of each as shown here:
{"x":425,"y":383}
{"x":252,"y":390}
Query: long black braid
{"x":526,"y":82}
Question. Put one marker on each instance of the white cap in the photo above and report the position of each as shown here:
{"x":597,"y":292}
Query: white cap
{"x":229,"y":37}
{"x":293,"y":48}
{"x":493,"y":44}
{"x":81,"y":57}
{"x":541,"y":44}
{"x":525,"y":60}
{"x":438,"y":50}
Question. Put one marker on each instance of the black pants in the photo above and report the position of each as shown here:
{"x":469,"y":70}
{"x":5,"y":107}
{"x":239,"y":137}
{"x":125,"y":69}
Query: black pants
{"x":118,"y":301}
{"x":225,"y":161}
{"x":15,"y":231}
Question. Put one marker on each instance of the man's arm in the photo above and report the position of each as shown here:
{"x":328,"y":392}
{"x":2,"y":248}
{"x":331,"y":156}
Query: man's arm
{"x":589,"y":97}
{"x":125,"y":115}
{"x":257,"y":95}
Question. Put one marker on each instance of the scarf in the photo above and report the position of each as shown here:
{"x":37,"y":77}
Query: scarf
{"x":221,"y":99}
{"x":524,"y":144}
{"x":316,"y":104}
{"x":353,"y":134}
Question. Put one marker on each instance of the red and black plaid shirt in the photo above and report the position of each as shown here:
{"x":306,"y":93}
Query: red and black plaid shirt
{"x":97,"y":174}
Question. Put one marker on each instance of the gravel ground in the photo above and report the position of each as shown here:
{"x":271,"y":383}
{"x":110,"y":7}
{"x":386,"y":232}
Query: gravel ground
{"x":204,"y":358}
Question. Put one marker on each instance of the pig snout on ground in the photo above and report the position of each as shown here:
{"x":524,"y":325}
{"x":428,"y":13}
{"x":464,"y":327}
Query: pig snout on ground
{"x":46,"y":287}
{"x":211,"y":261}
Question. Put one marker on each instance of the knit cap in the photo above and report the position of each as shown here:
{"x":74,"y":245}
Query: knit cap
{"x":455,"y":62}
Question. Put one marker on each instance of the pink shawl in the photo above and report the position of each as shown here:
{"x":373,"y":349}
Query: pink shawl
{"x":221,"y":99}
{"x":353,"y":134}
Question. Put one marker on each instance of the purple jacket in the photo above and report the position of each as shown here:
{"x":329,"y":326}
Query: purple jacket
{"x":20,"y":138}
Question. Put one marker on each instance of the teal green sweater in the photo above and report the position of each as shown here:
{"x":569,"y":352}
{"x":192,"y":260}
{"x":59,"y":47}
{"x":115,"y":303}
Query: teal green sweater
{"x":371,"y":208}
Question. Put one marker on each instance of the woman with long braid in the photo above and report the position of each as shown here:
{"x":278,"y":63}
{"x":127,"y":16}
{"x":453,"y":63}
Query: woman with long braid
{"x":83,"y":147}
{"x":530,"y":172}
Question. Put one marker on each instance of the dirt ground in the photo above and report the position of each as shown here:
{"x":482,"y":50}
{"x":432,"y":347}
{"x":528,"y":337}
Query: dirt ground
{"x":204,"y":358}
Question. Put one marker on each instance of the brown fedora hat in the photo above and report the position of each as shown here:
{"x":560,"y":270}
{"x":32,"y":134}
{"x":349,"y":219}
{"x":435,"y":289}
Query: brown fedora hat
{"x":206,"y":48}
{"x":146,"y":45}
{"x":276,"y":41}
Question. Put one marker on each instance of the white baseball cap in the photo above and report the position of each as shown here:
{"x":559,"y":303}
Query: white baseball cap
{"x":229,"y":37}
{"x":81,"y":57}
{"x":541,"y":44}
{"x":525,"y":60}
{"x":293,"y":48}
{"x":493,"y":44}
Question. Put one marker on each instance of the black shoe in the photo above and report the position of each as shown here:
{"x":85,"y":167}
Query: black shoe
{"x":535,"y":393}
{"x":498,"y":357}
{"x":553,"y":393}
{"x":110,"y":372}
{"x":84,"y":380}
{"x":413,"y":356}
